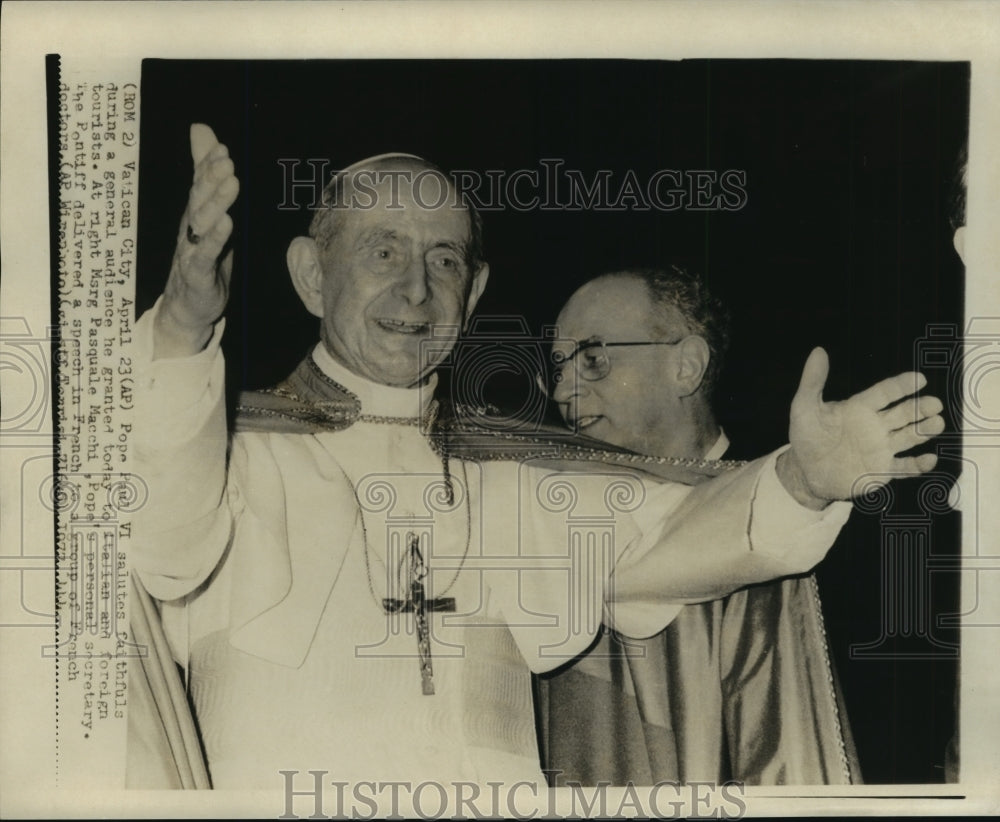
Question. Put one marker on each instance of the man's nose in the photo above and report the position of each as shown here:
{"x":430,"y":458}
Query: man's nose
{"x":413,"y":282}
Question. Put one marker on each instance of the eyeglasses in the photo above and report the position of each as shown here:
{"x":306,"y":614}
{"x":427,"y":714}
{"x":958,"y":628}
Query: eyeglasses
{"x":592,"y":361}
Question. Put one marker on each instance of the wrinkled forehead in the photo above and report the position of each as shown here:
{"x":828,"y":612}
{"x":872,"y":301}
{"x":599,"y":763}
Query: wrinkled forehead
{"x":401,"y":193}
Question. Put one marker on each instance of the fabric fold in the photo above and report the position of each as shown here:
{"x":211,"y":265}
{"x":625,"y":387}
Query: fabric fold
{"x":164,"y":750}
{"x":280,"y":586}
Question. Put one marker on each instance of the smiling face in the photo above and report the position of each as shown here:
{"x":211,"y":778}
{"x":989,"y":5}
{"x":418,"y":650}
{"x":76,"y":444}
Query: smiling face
{"x":633,"y":404}
{"x":395,"y":270}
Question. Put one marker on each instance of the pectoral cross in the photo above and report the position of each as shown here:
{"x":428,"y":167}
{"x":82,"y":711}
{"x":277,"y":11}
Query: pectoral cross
{"x":419,"y":605}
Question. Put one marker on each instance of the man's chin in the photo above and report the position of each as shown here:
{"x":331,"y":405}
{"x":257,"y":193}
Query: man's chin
{"x":405,"y":372}
{"x":601,"y":429}
{"x":592,"y":426}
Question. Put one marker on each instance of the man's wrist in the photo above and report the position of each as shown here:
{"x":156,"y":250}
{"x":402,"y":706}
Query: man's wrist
{"x":172,"y":338}
{"x":793,"y":479}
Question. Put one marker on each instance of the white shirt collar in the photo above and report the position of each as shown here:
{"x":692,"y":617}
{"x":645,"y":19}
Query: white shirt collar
{"x":382,"y":400}
{"x":720,"y":447}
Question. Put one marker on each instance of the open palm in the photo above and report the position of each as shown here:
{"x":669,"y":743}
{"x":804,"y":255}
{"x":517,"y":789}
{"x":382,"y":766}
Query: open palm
{"x":198,"y":286}
{"x":837,"y":443}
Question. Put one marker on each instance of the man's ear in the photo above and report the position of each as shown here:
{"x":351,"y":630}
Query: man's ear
{"x":693,"y":356}
{"x":476,"y":289}
{"x":307,"y":273}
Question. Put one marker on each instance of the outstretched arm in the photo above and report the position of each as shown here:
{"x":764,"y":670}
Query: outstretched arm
{"x":835,"y":444}
{"x":180,"y":437}
{"x":741,"y":528}
{"x":198,"y":286}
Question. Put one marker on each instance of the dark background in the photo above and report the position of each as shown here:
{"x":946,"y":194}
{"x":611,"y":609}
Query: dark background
{"x":843,"y":242}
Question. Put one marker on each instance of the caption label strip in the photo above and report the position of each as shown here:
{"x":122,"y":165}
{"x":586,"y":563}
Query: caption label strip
{"x":93,"y":493}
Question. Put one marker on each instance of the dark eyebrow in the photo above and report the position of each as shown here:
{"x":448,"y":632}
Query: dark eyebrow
{"x":583,"y":345}
{"x":458,"y":248}
{"x":375,"y":236}
{"x":587,"y":342}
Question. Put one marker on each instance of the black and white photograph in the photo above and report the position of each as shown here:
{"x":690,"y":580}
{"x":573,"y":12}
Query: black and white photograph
{"x":451,"y":431}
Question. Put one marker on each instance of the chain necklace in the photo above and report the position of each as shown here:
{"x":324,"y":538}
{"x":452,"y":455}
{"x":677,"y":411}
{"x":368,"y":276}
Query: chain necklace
{"x":416,"y":601}
{"x":450,"y":498}
{"x":426,"y":423}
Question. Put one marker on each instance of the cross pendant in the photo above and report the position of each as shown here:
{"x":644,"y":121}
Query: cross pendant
{"x":419,"y":605}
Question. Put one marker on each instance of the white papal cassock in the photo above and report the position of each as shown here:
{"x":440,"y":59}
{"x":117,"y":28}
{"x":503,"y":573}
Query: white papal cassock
{"x":272,"y":552}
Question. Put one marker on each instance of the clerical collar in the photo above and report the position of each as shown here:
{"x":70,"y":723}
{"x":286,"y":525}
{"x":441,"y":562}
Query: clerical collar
{"x":720,"y":447}
{"x":378,"y":399}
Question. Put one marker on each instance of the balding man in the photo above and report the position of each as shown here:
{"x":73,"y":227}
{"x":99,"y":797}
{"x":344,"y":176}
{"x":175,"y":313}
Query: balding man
{"x":350,"y":597}
{"x":738,"y":688}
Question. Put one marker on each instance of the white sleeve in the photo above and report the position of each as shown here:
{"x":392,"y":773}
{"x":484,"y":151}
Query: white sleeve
{"x":179,"y":444}
{"x":550,"y":543}
{"x":789,"y":532}
{"x":596,"y":546}
{"x":700,"y":543}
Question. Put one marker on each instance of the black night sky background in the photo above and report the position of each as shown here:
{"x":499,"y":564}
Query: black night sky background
{"x":843,"y":242}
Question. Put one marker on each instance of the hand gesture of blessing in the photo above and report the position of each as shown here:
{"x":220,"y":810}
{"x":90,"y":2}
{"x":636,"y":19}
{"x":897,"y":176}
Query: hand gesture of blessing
{"x":198,"y":286}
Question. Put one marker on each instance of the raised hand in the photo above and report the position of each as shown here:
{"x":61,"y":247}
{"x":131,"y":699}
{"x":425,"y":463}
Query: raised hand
{"x":198,"y":286}
{"x":836,"y":443}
